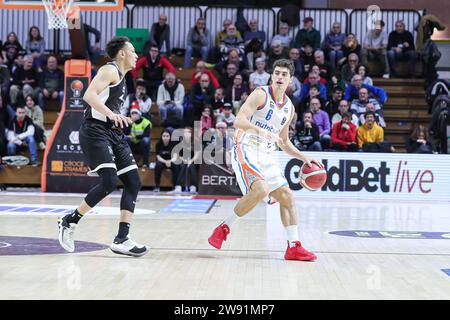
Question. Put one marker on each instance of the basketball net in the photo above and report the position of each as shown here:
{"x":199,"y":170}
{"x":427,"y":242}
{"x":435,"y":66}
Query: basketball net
{"x":57,"y":11}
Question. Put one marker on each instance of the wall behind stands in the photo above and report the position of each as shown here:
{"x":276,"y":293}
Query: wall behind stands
{"x":181,"y":19}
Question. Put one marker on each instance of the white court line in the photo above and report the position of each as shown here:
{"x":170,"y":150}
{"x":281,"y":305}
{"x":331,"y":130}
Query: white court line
{"x":77,"y":195}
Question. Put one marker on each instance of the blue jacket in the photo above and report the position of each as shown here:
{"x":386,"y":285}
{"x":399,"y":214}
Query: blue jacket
{"x":305,"y":91}
{"x":352,"y":93}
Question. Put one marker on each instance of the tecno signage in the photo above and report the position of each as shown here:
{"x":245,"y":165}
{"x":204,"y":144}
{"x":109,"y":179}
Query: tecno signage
{"x":376,"y":175}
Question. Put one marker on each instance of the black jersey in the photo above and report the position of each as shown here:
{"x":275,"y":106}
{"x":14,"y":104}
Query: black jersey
{"x":113,"y":97}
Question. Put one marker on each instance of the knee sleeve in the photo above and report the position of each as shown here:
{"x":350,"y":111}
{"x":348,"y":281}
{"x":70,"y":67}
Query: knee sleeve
{"x":131,"y":187}
{"x":108,"y":183}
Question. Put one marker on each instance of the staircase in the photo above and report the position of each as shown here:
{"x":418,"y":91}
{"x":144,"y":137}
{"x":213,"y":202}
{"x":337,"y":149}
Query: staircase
{"x":404,"y":110}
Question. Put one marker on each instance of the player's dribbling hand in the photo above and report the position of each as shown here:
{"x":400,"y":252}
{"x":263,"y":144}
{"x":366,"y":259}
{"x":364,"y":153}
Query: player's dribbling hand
{"x":120,"y":120}
{"x":309,"y":162}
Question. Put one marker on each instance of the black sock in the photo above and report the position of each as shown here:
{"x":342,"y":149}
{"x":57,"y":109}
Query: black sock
{"x":74,"y":217}
{"x":124,"y":228}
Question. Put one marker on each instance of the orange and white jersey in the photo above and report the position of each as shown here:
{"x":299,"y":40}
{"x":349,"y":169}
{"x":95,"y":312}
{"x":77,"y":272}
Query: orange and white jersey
{"x":270,"y":116}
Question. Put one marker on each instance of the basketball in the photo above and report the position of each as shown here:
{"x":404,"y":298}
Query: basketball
{"x":312,"y":178}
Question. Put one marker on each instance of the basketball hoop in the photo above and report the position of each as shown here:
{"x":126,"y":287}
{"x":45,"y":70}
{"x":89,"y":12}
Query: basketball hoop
{"x":57,"y":11}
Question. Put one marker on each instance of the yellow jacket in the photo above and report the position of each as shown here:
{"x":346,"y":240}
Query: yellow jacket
{"x":376,"y":134}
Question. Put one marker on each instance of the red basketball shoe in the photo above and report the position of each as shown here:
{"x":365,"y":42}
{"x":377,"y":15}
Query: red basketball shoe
{"x":299,"y":253}
{"x":219,"y":235}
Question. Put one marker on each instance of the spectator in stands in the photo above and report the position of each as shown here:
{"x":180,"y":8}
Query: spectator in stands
{"x":226,"y":81}
{"x":231,"y":41}
{"x":234,"y":92}
{"x":324,"y":67}
{"x":276,"y":52}
{"x":201,"y":93}
{"x":93,"y":50}
{"x":198,"y":42}
{"x":238,"y":104}
{"x":227,"y":115}
{"x":344,"y":108}
{"x":164,"y":160}
{"x":35,"y":46}
{"x":21,"y":134}
{"x":315,"y":69}
{"x":352,"y":91}
{"x":374,"y":47}
{"x":294,"y":90}
{"x":349,"y":69}
{"x":283,"y":35}
{"x":256,"y":52}
{"x":359,"y":106}
{"x":141,"y":98}
{"x":333,"y":43}
{"x":234,"y":58}
{"x":322,"y":120}
{"x":34,"y":112}
{"x":307,"y":137}
{"x":362,"y":71}
{"x":51,"y":82}
{"x":401,"y":47}
{"x":221,"y":144}
{"x":254,"y":33}
{"x":218,"y":101}
{"x":260,"y":77}
{"x":371,"y":136}
{"x":420,"y":142}
{"x":334,"y":83}
{"x":4,"y":121}
{"x":351,"y":45}
{"x":160,"y":34}
{"x":223,"y":34}
{"x":378,"y":115}
{"x":314,"y":79}
{"x":5,"y":78}
{"x":25,"y":81}
{"x":332,"y":106}
{"x":186,"y":156}
{"x":307,"y":57}
{"x":200,"y":69}
{"x":153,"y":65}
{"x":343,"y":135}
{"x":170,"y":101}
{"x":11,"y":49}
{"x":307,"y":34}
{"x":294,"y":56}
{"x":305,"y":103}
{"x":206,"y":121}
{"x":138,"y":134}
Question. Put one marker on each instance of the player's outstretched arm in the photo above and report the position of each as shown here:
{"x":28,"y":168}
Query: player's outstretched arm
{"x":255,"y":99}
{"x":290,"y":149}
{"x":106,"y":75}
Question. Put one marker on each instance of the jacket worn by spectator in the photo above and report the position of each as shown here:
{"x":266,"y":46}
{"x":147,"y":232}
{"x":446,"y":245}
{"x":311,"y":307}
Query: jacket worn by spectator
{"x":139,"y":130}
{"x":52,"y":80}
{"x":322,"y":91}
{"x":322,"y":120}
{"x":234,"y":42}
{"x":22,"y":130}
{"x":197,"y":40}
{"x":21,"y":74}
{"x":211,"y":75}
{"x":396,"y":38}
{"x":176,"y":94}
{"x":144,"y":104}
{"x":312,"y":37}
{"x":366,"y":135}
{"x":37,"y":116}
{"x":359,"y":108}
{"x":153,"y":70}
{"x":342,"y":136}
{"x":160,"y":35}
{"x":352,"y":92}
{"x":5,"y":78}
{"x":305,"y":137}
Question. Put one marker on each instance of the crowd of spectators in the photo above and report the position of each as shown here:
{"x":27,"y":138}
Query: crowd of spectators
{"x":337,"y":106}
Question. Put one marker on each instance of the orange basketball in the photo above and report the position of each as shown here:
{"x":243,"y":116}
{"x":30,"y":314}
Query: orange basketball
{"x":312,"y":178}
{"x":76,"y":85}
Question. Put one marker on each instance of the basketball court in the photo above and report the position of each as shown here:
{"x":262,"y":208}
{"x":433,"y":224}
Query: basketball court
{"x":366,"y":249}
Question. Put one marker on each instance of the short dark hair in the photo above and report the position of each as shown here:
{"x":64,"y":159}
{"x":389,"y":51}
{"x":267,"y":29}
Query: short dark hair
{"x":347,"y":115}
{"x":314,"y":86}
{"x":141,"y":83}
{"x":369,"y":113}
{"x":284,"y":63}
{"x":307,"y":111}
{"x":337,"y":88}
{"x":115,"y":45}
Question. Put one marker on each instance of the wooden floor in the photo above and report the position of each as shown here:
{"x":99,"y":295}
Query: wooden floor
{"x":182,"y":265}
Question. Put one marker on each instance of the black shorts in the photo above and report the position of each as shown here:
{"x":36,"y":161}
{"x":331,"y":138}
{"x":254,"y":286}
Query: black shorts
{"x":105,"y":147}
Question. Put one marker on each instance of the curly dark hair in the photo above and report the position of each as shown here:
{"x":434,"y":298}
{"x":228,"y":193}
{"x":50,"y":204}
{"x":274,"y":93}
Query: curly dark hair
{"x":115,"y":45}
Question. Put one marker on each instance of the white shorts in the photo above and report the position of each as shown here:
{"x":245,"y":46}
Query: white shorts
{"x":249,"y":165}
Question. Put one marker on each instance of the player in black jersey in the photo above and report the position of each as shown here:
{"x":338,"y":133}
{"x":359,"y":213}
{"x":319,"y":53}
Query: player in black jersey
{"x":106,"y":150}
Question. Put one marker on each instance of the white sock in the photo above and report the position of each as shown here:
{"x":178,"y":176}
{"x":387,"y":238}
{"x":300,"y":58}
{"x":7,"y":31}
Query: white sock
{"x":232,"y":218}
{"x":292,"y":234}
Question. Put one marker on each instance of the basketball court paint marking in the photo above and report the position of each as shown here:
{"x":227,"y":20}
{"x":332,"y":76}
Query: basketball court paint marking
{"x":189,"y":206}
{"x":56,"y":210}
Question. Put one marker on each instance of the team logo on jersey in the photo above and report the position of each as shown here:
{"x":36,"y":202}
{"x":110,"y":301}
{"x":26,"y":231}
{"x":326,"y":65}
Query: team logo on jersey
{"x":283,"y":121}
{"x":272,"y":104}
{"x":286,"y":110}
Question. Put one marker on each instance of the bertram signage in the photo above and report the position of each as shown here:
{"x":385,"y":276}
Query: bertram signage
{"x":376,"y":175}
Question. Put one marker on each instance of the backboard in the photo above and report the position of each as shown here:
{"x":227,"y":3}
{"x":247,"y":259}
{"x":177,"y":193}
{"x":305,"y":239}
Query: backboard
{"x":85,"y":5}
